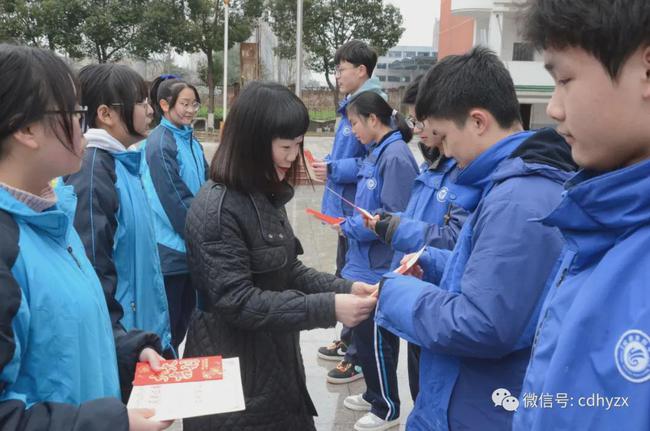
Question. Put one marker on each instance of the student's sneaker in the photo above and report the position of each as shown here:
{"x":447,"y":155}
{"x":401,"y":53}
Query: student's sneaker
{"x":357,"y":403}
{"x":345,"y":372}
{"x":333,"y":352}
{"x":370,"y":422}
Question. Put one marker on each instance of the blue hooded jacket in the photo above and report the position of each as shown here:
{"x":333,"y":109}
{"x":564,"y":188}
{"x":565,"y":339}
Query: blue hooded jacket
{"x":173,"y":171}
{"x":61,"y":347}
{"x":593,"y":336}
{"x":115,"y":223}
{"x":385,"y":174}
{"x":432,"y":216}
{"x":476,"y":325}
{"x":344,"y":160}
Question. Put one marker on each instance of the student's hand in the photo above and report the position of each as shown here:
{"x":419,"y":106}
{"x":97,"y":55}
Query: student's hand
{"x":152,"y":357}
{"x":416,"y":270}
{"x":371,"y":223}
{"x":352,"y":310}
{"x":139,"y":421}
{"x":337,"y":228}
{"x":320,"y":169}
{"x":362,"y":289}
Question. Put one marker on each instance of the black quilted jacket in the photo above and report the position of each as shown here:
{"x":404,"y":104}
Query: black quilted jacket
{"x":255,"y":297}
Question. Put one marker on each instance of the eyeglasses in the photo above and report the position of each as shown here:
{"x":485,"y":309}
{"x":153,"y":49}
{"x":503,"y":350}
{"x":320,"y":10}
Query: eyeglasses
{"x":414,"y":123}
{"x":192,"y":107}
{"x":339,"y":70}
{"x":81,"y":112}
{"x":142,"y":104}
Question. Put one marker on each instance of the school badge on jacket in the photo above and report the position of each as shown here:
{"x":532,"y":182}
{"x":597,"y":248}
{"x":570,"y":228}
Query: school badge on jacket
{"x":632,"y":355}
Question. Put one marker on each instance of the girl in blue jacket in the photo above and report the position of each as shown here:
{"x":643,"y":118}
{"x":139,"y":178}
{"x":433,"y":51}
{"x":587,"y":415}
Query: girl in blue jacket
{"x":60,"y":365}
{"x":174,"y":169}
{"x":113,"y":216}
{"x":384,"y":182}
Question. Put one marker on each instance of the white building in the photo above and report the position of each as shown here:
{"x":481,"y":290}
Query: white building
{"x":495,"y":26}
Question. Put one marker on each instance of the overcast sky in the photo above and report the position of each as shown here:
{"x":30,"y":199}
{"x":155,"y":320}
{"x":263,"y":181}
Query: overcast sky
{"x":419,"y":16}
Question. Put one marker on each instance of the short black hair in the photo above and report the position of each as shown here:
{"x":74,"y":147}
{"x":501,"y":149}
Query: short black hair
{"x":33,"y":83}
{"x":370,"y":102}
{"x":459,"y":83}
{"x":610,"y":30}
{"x":114,"y":85}
{"x":168,"y":87}
{"x":262,"y":112}
{"x":357,"y":53}
{"x":411,"y":93}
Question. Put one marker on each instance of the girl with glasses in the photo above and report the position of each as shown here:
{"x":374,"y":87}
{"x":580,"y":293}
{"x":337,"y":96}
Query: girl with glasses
{"x":58,"y":356}
{"x":174,"y":169}
{"x":113,"y":216}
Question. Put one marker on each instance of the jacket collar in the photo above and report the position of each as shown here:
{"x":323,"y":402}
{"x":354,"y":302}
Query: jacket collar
{"x":372,"y":84}
{"x":100,"y":138}
{"x":597,"y":209}
{"x":54,"y":221}
{"x":184,"y":131}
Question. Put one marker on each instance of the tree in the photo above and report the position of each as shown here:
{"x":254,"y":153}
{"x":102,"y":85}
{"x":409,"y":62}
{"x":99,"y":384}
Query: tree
{"x":201,"y":29}
{"x":105,"y":30}
{"x":233,"y":67}
{"x":328,"y":24}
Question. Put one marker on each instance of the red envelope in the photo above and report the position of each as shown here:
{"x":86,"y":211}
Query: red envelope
{"x":324,"y":217}
{"x":179,"y":371}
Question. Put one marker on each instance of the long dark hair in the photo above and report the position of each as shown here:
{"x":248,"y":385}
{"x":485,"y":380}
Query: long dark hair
{"x":370,"y":102}
{"x":263,"y":112}
{"x":33,"y":83}
{"x":168,"y":87}
{"x":113,"y":85}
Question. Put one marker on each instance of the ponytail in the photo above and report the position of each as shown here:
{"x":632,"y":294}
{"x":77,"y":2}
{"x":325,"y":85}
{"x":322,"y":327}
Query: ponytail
{"x":370,"y":102}
{"x":167,"y":87}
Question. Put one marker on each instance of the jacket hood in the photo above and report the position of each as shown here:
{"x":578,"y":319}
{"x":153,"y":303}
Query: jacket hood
{"x":372,"y":84}
{"x":543,"y":153}
{"x":100,"y":138}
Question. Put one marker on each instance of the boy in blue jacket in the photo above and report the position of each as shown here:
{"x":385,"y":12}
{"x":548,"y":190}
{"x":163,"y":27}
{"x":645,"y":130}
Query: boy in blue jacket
{"x":475,"y":320}
{"x":590,"y":366}
{"x":433,"y":215}
{"x":355,"y":61}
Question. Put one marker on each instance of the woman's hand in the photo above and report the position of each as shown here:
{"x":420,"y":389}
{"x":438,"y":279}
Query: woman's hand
{"x":152,"y":357}
{"x":352,"y":309}
{"x":370,"y":223}
{"x":414,"y":271}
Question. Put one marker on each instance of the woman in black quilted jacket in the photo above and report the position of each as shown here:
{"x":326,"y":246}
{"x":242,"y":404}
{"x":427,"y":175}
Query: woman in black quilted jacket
{"x":255,"y":296}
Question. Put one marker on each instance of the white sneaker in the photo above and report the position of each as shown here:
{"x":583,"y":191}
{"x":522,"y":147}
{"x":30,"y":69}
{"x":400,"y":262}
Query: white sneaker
{"x":371,"y":422}
{"x":357,"y":403}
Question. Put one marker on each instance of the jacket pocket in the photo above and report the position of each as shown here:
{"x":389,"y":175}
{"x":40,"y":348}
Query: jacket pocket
{"x":268,"y":259}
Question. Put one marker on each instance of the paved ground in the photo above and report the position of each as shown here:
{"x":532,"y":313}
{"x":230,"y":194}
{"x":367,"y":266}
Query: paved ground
{"x":319,"y":243}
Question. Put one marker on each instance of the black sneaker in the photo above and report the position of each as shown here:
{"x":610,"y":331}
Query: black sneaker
{"x":345,"y":372}
{"x":333,"y":352}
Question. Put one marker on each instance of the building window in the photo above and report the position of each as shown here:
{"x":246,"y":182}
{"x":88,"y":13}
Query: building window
{"x":522,"y":52}
{"x":393,"y":78}
{"x":424,"y":54}
{"x":395,"y":54}
{"x":410,"y":53}
{"x":381,"y":65}
{"x":405,"y":79}
{"x":382,"y":78}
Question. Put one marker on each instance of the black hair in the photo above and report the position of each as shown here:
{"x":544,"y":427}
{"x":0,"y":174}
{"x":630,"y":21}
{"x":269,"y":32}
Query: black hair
{"x":610,"y":30}
{"x":34,"y":82}
{"x":459,"y":83}
{"x":262,"y":112}
{"x":370,"y":102}
{"x":357,"y":53}
{"x":168,"y":87}
{"x":114,"y":85}
{"x":411,"y":93}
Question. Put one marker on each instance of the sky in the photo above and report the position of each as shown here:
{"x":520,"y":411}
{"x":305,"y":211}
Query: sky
{"x":419,"y":16}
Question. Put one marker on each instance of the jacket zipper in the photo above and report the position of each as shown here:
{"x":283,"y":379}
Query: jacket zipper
{"x":539,"y":327}
{"x":194,"y":157}
{"x":74,"y":257}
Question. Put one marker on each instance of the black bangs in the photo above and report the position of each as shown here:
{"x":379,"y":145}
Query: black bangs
{"x":116,"y":86}
{"x":33,"y":83}
{"x":290,"y":120}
